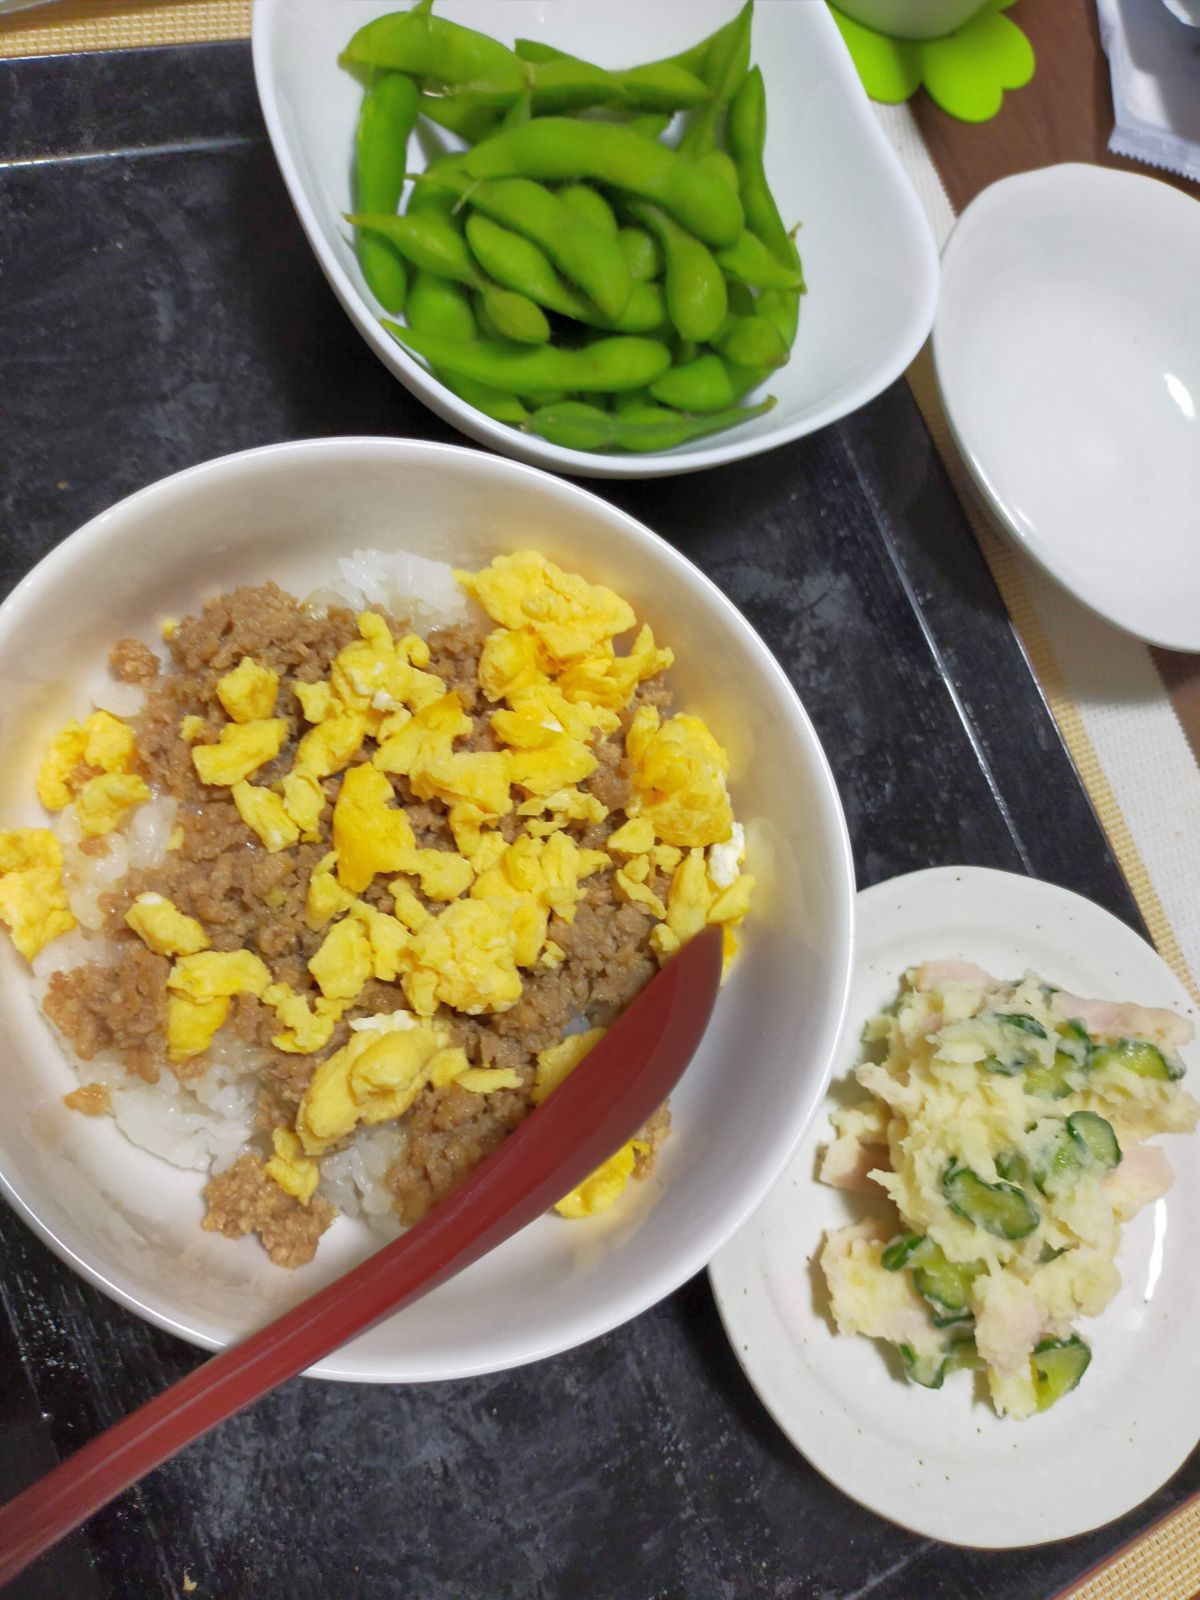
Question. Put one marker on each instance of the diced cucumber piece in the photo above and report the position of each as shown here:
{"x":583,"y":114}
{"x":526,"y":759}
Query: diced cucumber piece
{"x":963,"y":1356}
{"x":901,"y":1250}
{"x":929,"y":1371}
{"x":1057,"y":1366}
{"x":1013,"y":1168}
{"x":946,"y":1283}
{"x":1139,"y":1056}
{"x":952,"y":1319}
{"x":1062,"y":1165}
{"x":1052,"y":1083}
{"x":1074,"y":1029}
{"x":1096,"y":1138}
{"x":997,"y":1208}
{"x":1008,"y":1068}
{"x":1023,"y":1024}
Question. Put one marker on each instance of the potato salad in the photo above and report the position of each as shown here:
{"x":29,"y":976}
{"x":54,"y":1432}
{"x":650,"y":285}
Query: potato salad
{"x":1008,"y":1124}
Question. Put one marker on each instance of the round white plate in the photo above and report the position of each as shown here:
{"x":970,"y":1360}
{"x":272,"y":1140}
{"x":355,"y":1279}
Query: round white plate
{"x":942,"y":1463}
{"x":1067,"y":347}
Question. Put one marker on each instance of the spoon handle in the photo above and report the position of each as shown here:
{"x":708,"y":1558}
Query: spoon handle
{"x":596,"y":1110}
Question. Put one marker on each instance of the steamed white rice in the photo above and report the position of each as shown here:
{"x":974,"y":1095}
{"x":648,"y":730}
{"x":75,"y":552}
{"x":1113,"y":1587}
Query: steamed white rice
{"x":207,"y":1124}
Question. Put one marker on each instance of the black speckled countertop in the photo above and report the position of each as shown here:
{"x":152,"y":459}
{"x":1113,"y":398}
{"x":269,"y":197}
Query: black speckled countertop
{"x":159,"y":306}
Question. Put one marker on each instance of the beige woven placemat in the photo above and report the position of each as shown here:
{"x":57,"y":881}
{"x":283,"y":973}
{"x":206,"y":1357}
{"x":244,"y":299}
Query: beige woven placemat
{"x":1161,"y":1564}
{"x":69,"y":26}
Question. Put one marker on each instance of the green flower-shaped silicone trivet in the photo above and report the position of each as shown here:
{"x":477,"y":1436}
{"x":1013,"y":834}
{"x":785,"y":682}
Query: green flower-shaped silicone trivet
{"x":967,"y":72}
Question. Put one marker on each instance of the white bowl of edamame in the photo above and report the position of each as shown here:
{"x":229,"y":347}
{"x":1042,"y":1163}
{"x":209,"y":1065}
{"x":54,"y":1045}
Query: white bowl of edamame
{"x":538,"y":349}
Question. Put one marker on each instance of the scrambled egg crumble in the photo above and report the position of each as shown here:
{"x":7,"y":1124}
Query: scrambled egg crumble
{"x":1006,"y":1123}
{"x":350,"y":764}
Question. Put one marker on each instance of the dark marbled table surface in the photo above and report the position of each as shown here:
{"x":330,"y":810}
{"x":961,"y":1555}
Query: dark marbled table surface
{"x":159,"y":306}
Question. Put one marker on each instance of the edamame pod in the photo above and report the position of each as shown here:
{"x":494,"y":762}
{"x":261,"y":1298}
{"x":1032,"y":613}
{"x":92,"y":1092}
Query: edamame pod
{"x":591,"y":260}
{"x":458,"y":114}
{"x":751,"y":342}
{"x":725,"y":66}
{"x":576,"y":425}
{"x":590,"y":204}
{"x":519,"y":264}
{"x":651,"y":124}
{"x":559,"y":148}
{"x":697,"y":300}
{"x":430,"y":47}
{"x":747,"y":132}
{"x":749,"y":260}
{"x":568,"y":84}
{"x":441,"y":306}
{"x":641,"y":252}
{"x":695,"y":57}
{"x":519,"y":113}
{"x":720,"y":162}
{"x":706,"y":384}
{"x":608,"y":366}
{"x":389,"y":110}
{"x":435,"y":189}
{"x":781,"y":308}
{"x":434,"y":244}
{"x":655,"y":86}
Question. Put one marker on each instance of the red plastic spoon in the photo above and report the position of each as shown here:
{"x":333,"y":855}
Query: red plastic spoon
{"x":601,"y":1105}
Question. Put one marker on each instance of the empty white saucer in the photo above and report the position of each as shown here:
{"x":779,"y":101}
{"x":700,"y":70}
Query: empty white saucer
{"x":1067,"y":347}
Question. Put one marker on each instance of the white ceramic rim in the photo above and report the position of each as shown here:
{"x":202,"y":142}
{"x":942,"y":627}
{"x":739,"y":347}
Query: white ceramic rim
{"x":612,"y":1313}
{"x":507,"y":441}
{"x":987,"y":207}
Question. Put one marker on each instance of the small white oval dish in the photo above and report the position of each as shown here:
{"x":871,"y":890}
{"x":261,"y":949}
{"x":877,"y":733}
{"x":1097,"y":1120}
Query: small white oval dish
{"x":1067,"y":348}
{"x":940,"y":1463}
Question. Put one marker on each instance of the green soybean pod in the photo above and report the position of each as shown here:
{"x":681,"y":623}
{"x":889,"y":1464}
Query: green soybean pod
{"x":575,"y":425}
{"x":558,"y":148}
{"x":749,"y":260}
{"x":459,"y":114}
{"x":751,"y":342}
{"x":568,"y":84}
{"x":781,"y":308}
{"x":607,"y":366}
{"x":518,"y":263}
{"x":443,"y":52}
{"x":641,"y":252}
{"x":389,"y":110}
{"x":426,"y":239}
{"x":747,"y":132}
{"x":707,"y":383}
{"x":441,"y":306}
{"x":434,"y":191}
{"x":656,"y":86}
{"x":725,"y":67}
{"x":650,"y":124}
{"x":662,"y":86}
{"x":695,"y":57}
{"x":697,"y":299}
{"x":590,"y":204}
{"x":536,"y":51}
{"x":432,"y":243}
{"x":589,"y":258}
{"x":517,"y":114}
{"x":513,"y":315}
{"x":721,"y":162}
